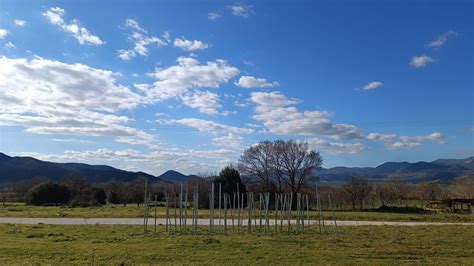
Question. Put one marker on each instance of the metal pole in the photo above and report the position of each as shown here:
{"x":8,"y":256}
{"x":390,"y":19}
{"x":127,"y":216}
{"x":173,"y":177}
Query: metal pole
{"x":144,"y":206}
{"x":156,"y":203}
{"x":220,"y":188}
{"x":332,"y":207}
{"x":167,"y":211}
{"x":225,"y":213}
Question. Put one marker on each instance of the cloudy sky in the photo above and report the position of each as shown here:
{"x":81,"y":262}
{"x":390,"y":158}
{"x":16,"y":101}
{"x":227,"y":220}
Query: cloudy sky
{"x":188,"y":85}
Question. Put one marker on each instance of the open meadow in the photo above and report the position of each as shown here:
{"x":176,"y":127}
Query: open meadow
{"x":134,"y":211}
{"x":444,"y":245}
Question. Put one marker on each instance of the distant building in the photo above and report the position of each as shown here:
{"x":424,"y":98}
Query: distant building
{"x":453,"y":206}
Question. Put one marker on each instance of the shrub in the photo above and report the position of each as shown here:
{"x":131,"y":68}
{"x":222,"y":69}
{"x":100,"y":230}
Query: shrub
{"x":48,"y":193}
{"x":99,"y":196}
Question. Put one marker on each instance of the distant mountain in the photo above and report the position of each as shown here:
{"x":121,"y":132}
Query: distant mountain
{"x":13,"y":169}
{"x":441,"y":170}
{"x":174,"y":176}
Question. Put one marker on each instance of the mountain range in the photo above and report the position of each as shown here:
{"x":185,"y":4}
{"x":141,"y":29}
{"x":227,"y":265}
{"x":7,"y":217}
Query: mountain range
{"x":441,"y":170}
{"x":13,"y":169}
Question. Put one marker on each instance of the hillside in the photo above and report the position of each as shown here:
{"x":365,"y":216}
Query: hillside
{"x":13,"y":169}
{"x":441,"y":170}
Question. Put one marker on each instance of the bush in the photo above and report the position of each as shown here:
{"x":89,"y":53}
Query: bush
{"x":99,"y":196}
{"x":48,"y":193}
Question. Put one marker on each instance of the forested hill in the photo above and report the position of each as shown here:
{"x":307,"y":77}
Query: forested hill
{"x":441,"y":170}
{"x":13,"y":169}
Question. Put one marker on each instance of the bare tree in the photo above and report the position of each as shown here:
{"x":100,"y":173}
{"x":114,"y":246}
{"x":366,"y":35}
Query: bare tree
{"x":256,"y":161}
{"x":384,"y":192}
{"x":294,"y":163}
{"x":356,"y":191}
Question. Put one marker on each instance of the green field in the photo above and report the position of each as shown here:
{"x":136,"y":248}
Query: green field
{"x":52,"y":244}
{"x":132,"y":210}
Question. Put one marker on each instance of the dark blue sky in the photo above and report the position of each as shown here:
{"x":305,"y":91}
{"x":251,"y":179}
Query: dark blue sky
{"x":153,"y":85}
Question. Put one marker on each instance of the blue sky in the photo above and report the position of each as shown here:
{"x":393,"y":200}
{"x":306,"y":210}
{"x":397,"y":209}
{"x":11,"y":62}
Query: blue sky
{"x":188,"y":85}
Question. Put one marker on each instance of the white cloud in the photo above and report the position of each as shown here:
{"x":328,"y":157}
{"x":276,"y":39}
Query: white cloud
{"x":274,"y":110}
{"x":253,"y":82}
{"x":229,"y":141}
{"x":3,"y":33}
{"x":205,"y":101}
{"x":72,"y":140}
{"x":9,"y":46}
{"x":381,"y":137}
{"x":141,"y":41}
{"x":213,"y":16}
{"x":441,"y":40}
{"x":182,"y":80}
{"x":82,"y":35}
{"x":130,"y":23}
{"x":189,"y":45}
{"x":372,"y":85}
{"x":271,"y":99}
{"x":393,"y":141}
{"x":209,"y":127}
{"x":19,"y":22}
{"x":51,"y":97}
{"x":241,"y":10}
{"x":421,"y":61}
{"x":336,"y":147}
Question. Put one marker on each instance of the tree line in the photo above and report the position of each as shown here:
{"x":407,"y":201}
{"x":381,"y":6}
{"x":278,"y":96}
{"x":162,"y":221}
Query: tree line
{"x":270,"y":166}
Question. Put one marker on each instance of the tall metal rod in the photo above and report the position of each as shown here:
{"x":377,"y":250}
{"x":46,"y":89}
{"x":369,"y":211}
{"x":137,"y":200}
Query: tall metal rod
{"x":220,"y":189}
{"x":193,"y":230}
{"x":233,"y":210}
{"x":249,"y":206}
{"x":186,"y":208}
{"x":260,"y":201}
{"x":283,"y":210}
{"x":180,"y":207}
{"x":175,"y":215}
{"x":302,"y":212}
{"x":267,"y":221}
{"x":238,"y":208}
{"x":167,"y":211}
{"x":307,"y":211}
{"x":156,"y":204}
{"x":290,"y":203}
{"x":225,"y":212}
{"x":332,"y":208}
{"x":144,"y":205}
{"x":276,"y":211}
{"x":298,"y":207}
{"x":318,"y":204}
{"x":242,"y":209}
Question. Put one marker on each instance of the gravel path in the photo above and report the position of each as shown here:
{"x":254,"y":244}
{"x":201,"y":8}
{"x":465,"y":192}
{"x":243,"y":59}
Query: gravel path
{"x":139,"y":221}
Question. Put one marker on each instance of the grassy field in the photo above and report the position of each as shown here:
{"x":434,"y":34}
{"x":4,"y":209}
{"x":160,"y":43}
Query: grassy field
{"x":444,"y":245}
{"x":132,"y":210}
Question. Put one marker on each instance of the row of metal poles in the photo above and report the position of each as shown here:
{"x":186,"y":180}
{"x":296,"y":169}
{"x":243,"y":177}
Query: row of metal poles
{"x":237,"y":211}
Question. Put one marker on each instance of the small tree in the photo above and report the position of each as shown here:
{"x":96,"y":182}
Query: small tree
{"x":229,"y":177}
{"x":48,"y":193}
{"x":99,"y":196}
{"x":356,"y":191}
{"x":113,"y":197}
